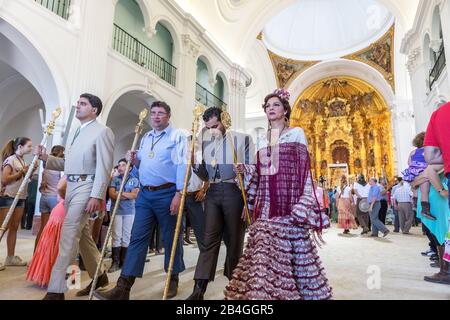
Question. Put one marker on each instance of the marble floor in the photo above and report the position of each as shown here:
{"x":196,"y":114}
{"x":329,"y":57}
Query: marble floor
{"x":358,"y":268}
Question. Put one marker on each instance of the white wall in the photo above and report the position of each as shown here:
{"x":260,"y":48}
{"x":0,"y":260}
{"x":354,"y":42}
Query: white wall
{"x":75,"y":56}
{"x":426,"y":101}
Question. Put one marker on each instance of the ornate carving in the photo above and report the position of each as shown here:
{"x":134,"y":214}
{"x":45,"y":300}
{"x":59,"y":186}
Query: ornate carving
{"x":286,"y":70}
{"x":189,"y":46}
{"x":379,"y":55}
{"x":341,"y":114}
{"x":413,"y":59}
{"x":336,"y":98}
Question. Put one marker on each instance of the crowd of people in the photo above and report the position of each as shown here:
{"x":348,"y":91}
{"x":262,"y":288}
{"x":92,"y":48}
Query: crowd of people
{"x":289,"y":210}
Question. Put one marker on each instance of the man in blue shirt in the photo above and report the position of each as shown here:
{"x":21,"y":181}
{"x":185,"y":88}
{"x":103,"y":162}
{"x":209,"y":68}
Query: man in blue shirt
{"x":123,"y":221}
{"x":374,"y":199}
{"x":162,"y":166}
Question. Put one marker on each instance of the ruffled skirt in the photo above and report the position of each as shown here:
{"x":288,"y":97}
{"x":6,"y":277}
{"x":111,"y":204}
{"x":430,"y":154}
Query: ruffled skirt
{"x":346,"y":220}
{"x":413,"y":171}
{"x":280,"y":262}
{"x":44,"y":257}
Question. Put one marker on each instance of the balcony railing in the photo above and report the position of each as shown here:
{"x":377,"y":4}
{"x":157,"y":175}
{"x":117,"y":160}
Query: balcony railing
{"x":133,"y":49}
{"x":207,"y":98}
{"x":60,"y":7}
{"x":438,"y":67}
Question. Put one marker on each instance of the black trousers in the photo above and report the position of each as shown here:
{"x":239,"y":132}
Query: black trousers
{"x":28,"y":215}
{"x":156,"y":242}
{"x":223,"y":211}
{"x":434,"y":243}
{"x":383,"y":211}
{"x":196,"y":217}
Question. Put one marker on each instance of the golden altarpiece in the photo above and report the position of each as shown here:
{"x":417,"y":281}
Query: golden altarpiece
{"x":348,"y":124}
{"x":346,"y":120}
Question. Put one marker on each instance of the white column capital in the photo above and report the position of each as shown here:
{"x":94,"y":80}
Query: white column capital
{"x":413,"y":59}
{"x":190,"y":48}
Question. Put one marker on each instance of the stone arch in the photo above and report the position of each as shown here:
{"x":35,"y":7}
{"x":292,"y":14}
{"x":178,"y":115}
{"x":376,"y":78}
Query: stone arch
{"x":202,"y":57}
{"x":220,"y":74}
{"x":109,"y":102}
{"x":39,"y":78}
{"x":123,"y":109}
{"x":436,"y":28}
{"x":342,"y":67}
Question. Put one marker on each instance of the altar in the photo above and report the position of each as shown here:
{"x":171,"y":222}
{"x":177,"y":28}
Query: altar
{"x":335,"y":172}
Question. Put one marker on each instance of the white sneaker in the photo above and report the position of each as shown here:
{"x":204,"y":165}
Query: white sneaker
{"x":14,"y":262}
{"x":2,"y":267}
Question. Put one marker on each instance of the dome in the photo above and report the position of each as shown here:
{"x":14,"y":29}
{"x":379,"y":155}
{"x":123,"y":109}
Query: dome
{"x":326,"y":29}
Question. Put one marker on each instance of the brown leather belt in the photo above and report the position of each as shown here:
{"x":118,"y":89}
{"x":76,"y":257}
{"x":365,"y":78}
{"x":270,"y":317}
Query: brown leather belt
{"x":190,"y":194}
{"x":161,"y":187}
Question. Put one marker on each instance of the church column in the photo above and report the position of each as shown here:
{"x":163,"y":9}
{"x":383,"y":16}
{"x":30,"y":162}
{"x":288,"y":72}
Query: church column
{"x":94,"y":43}
{"x":95,"y":36}
{"x":240,"y":80}
{"x":363,"y":153}
{"x":187,"y":78}
{"x":405,"y":131}
{"x":377,"y":151}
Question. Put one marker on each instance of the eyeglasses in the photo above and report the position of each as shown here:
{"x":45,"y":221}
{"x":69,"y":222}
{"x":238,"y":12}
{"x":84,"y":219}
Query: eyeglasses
{"x":158,"y":114}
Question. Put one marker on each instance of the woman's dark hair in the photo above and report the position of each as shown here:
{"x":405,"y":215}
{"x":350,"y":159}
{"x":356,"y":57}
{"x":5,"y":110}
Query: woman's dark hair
{"x":11,"y":147}
{"x":211,"y":113}
{"x":418,"y":140}
{"x":161,"y":104}
{"x":56,"y":150}
{"x":95,"y":102}
{"x":121,"y":160}
{"x":286,"y":104}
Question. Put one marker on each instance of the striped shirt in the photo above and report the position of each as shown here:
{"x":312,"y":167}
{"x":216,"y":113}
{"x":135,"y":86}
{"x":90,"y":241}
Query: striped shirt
{"x":402,"y":194}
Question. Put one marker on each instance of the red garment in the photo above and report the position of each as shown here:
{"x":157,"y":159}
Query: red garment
{"x":286,"y":186}
{"x":438,"y":133}
{"x":44,"y":258}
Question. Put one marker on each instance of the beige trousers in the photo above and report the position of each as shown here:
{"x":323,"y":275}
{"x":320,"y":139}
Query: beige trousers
{"x":75,"y":234}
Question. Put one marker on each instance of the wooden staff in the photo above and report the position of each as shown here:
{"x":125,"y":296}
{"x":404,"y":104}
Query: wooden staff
{"x":138,"y":131}
{"x":48,"y":132}
{"x":226,"y":121}
{"x":198,"y":112}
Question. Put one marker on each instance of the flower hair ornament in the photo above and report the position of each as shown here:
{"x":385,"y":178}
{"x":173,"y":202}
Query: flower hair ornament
{"x":283,"y":94}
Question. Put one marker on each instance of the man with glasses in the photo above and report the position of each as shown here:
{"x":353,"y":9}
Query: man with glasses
{"x":160,"y":160}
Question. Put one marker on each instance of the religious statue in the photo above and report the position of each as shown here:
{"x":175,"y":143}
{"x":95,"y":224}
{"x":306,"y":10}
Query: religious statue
{"x":371,"y":158}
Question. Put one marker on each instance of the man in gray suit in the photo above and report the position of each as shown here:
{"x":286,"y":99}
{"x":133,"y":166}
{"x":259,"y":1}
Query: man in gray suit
{"x":87,"y":165}
{"x":224,"y":203}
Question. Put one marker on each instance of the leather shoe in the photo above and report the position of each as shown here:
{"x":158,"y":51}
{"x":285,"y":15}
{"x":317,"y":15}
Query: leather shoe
{"x":102,"y":281}
{"x":199,"y":290}
{"x":173,"y":286}
{"x":54,"y":296}
{"x":120,"y":292}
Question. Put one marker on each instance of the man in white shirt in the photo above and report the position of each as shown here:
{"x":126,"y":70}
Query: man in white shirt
{"x":402,"y":197}
{"x":361,"y":189}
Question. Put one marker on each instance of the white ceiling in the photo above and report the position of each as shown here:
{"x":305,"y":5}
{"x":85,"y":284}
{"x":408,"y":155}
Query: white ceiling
{"x":326,"y":29}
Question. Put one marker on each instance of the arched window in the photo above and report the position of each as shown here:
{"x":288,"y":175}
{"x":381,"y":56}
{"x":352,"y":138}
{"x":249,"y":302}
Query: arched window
{"x":437,"y":54}
{"x":130,"y":38}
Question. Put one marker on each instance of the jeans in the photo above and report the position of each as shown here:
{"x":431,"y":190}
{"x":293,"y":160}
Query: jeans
{"x":152,"y":206}
{"x":377,"y":225}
